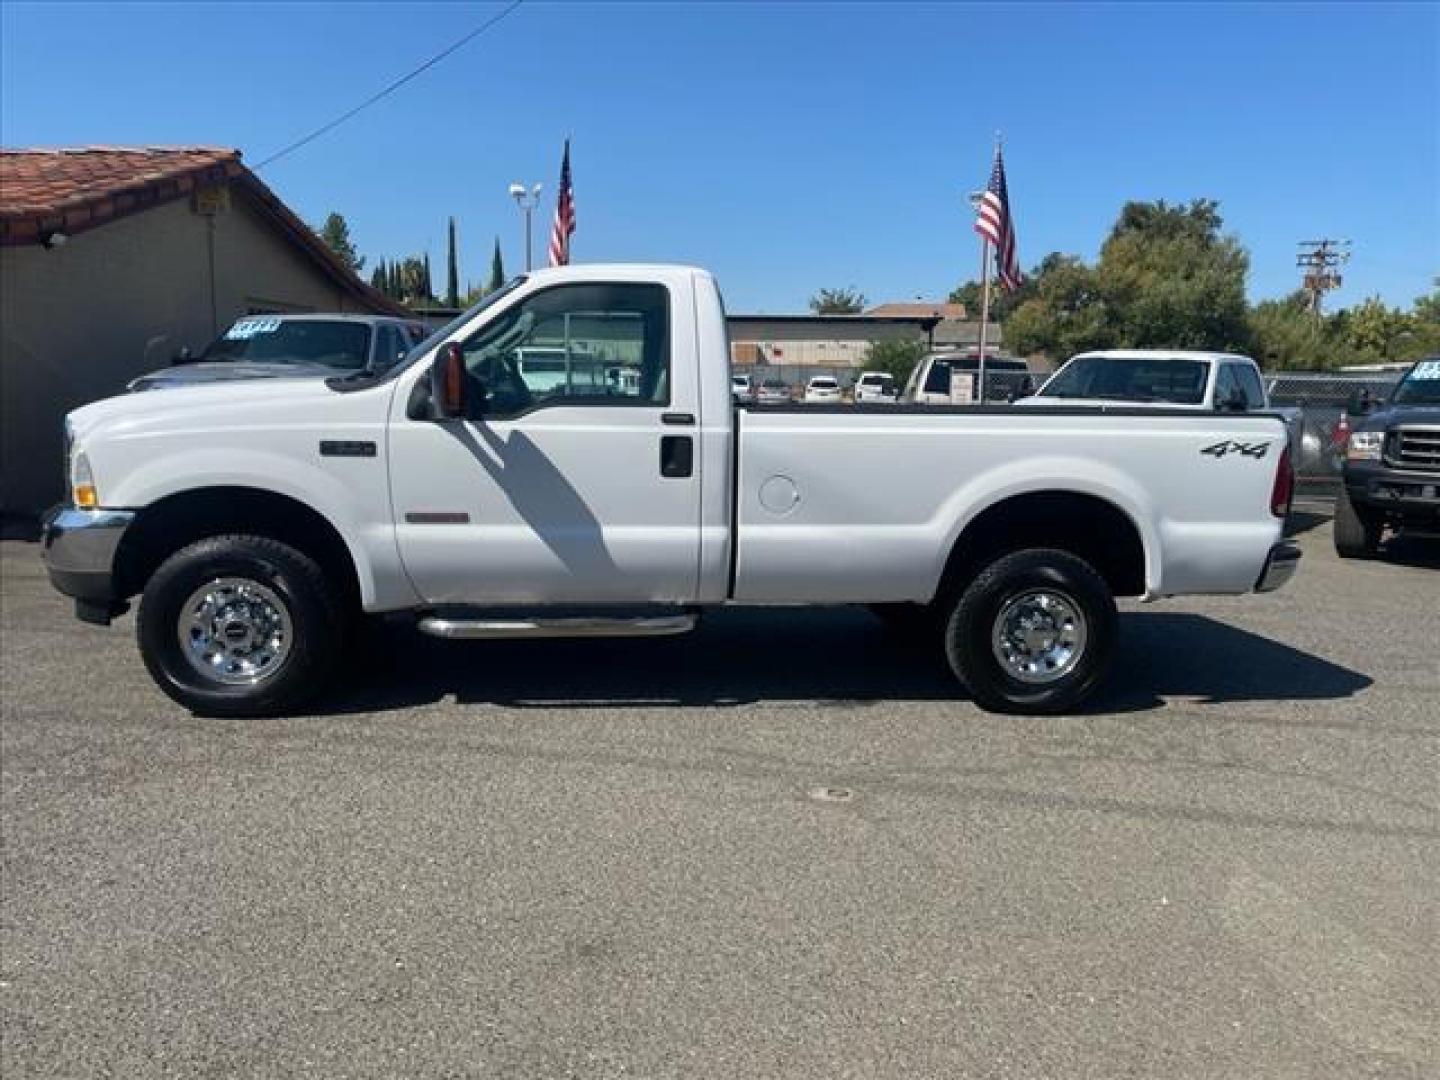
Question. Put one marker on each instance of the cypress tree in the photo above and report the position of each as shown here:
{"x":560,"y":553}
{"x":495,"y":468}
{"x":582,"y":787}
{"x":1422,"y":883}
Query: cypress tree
{"x":452,"y":272}
{"x":426,"y":292}
{"x":497,"y":269}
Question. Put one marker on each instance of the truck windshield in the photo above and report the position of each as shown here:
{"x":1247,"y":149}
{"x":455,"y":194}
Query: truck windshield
{"x":272,"y":340}
{"x":1421,"y":385}
{"x":1130,"y":378}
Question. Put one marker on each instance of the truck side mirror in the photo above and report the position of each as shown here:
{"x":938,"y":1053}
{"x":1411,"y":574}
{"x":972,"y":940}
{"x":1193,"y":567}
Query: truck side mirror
{"x":449,"y":383}
{"x":1361,"y":403}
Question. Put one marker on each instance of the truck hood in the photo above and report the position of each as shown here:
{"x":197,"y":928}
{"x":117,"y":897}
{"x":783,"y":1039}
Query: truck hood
{"x":1390,"y":415}
{"x":204,"y":403}
{"x":227,"y":371}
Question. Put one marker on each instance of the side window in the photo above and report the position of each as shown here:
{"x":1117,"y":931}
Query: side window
{"x":575,"y":344}
{"x":1224,"y":386}
{"x":1249,"y":381}
{"x":937,"y":381}
{"x":385,"y":347}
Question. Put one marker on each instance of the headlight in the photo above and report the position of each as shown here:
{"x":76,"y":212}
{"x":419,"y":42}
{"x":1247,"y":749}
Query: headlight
{"x":82,"y":482}
{"x":1364,"y":446}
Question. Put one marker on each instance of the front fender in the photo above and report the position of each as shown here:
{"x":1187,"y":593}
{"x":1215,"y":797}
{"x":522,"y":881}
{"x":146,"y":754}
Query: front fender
{"x":359,"y":512}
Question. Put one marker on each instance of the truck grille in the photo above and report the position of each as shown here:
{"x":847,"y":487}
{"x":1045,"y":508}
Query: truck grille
{"x":1414,"y":448}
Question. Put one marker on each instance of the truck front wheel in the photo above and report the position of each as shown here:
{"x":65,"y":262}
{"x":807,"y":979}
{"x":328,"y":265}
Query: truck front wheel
{"x":1033,"y":632}
{"x":1357,"y":529}
{"x":240,"y":626}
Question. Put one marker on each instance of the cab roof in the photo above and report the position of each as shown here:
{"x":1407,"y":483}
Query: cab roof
{"x":1163,"y":354}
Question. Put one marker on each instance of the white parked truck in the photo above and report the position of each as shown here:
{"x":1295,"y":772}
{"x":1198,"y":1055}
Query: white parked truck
{"x":258,"y":521}
{"x":1170,"y":378}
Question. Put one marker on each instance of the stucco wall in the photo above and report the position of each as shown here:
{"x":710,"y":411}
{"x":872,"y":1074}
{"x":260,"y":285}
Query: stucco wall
{"x":78,"y":322}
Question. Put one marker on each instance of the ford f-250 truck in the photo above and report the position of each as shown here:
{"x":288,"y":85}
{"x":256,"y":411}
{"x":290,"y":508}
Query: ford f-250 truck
{"x":1392,"y":466}
{"x":259,"y":521}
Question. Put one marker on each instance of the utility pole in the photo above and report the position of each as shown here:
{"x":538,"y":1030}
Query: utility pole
{"x":1319,"y":262}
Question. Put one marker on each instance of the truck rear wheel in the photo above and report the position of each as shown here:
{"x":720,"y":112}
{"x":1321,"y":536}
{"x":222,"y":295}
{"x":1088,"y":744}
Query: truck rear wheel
{"x":1357,"y":530}
{"x":1034,"y":632}
{"x":240,"y":626}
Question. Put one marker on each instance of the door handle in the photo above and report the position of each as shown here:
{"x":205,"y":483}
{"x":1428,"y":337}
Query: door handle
{"x":683,"y":419}
{"x":677,"y":456}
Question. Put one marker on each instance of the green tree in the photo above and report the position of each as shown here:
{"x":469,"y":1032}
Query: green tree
{"x":1285,"y":335}
{"x":1064,"y":313}
{"x":1169,"y":277}
{"x":497,"y":269}
{"x":427,"y":290}
{"x":1425,"y":321}
{"x":1375,"y":332}
{"x":336,"y":234}
{"x":378,"y":278}
{"x":1166,"y":276}
{"x":848,"y":301}
{"x":452,"y":271}
{"x":1002,"y":301}
{"x":898,"y":358}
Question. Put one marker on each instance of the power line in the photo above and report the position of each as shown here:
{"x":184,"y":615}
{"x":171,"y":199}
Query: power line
{"x":426,"y":66}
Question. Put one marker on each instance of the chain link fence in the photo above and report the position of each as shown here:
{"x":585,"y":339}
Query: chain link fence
{"x":1322,"y":397}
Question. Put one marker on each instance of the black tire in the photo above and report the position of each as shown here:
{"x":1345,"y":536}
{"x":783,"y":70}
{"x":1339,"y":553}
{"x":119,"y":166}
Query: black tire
{"x":1357,"y":530}
{"x":973,"y":620}
{"x":313,"y":606}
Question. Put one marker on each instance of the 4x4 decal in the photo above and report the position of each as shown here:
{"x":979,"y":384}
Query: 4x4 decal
{"x":1230,"y":446}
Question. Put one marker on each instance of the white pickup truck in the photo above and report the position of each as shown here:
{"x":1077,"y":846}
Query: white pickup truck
{"x":258,"y":521}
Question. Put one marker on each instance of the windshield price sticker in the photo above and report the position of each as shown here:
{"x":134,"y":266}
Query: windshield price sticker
{"x":248,"y":328}
{"x":1426,"y":369}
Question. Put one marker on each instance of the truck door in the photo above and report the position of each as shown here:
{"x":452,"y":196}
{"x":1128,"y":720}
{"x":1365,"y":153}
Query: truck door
{"x":581,"y":488}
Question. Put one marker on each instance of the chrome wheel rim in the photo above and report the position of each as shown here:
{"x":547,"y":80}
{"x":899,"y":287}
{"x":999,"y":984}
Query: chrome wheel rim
{"x":235,"y":631}
{"x":1039,"y":636}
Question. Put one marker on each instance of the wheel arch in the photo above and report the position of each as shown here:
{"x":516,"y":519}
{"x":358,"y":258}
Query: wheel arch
{"x":1088,"y":525}
{"x":170,"y":523}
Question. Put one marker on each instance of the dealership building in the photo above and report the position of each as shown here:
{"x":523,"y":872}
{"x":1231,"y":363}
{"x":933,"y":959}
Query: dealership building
{"x":795,"y":348}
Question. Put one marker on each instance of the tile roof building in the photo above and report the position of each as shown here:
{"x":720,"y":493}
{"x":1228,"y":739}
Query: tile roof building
{"x":112,"y":259}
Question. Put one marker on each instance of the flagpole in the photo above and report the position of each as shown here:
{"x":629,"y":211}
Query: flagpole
{"x":985,"y":261}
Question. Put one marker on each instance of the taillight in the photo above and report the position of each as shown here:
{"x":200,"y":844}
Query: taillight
{"x":1340,"y":433}
{"x":1284,"y":488}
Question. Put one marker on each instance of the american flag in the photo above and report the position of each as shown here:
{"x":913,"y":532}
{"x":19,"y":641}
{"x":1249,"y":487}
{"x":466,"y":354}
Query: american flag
{"x":995,"y":224}
{"x":564,"y":216}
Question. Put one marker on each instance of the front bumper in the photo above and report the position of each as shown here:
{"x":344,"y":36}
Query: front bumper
{"x":1280,"y":566}
{"x":1409,"y":493}
{"x":79,"y":547}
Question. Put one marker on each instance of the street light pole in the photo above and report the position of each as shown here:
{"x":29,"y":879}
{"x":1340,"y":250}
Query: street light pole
{"x":526,"y":201}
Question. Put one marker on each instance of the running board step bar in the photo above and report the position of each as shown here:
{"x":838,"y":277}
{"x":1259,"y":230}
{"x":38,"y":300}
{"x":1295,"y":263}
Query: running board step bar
{"x":473,"y":629}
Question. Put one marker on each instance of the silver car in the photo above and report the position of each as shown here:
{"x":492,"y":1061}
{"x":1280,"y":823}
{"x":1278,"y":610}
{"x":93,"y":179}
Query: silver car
{"x":293,"y":346}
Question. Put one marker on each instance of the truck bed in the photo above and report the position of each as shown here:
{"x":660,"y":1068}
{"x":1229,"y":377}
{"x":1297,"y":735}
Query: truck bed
{"x":864,"y":503}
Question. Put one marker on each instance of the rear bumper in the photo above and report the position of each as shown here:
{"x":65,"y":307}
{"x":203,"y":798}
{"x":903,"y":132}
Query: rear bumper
{"x":1280,"y":566}
{"x":79,"y":547}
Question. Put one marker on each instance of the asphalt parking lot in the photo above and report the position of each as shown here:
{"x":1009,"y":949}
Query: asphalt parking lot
{"x":780,"y":848}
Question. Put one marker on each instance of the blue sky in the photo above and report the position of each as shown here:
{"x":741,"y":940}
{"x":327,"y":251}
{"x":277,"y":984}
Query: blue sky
{"x":786,"y":147}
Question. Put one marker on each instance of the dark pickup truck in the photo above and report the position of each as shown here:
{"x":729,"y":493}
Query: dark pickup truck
{"x":1392,"y":466}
